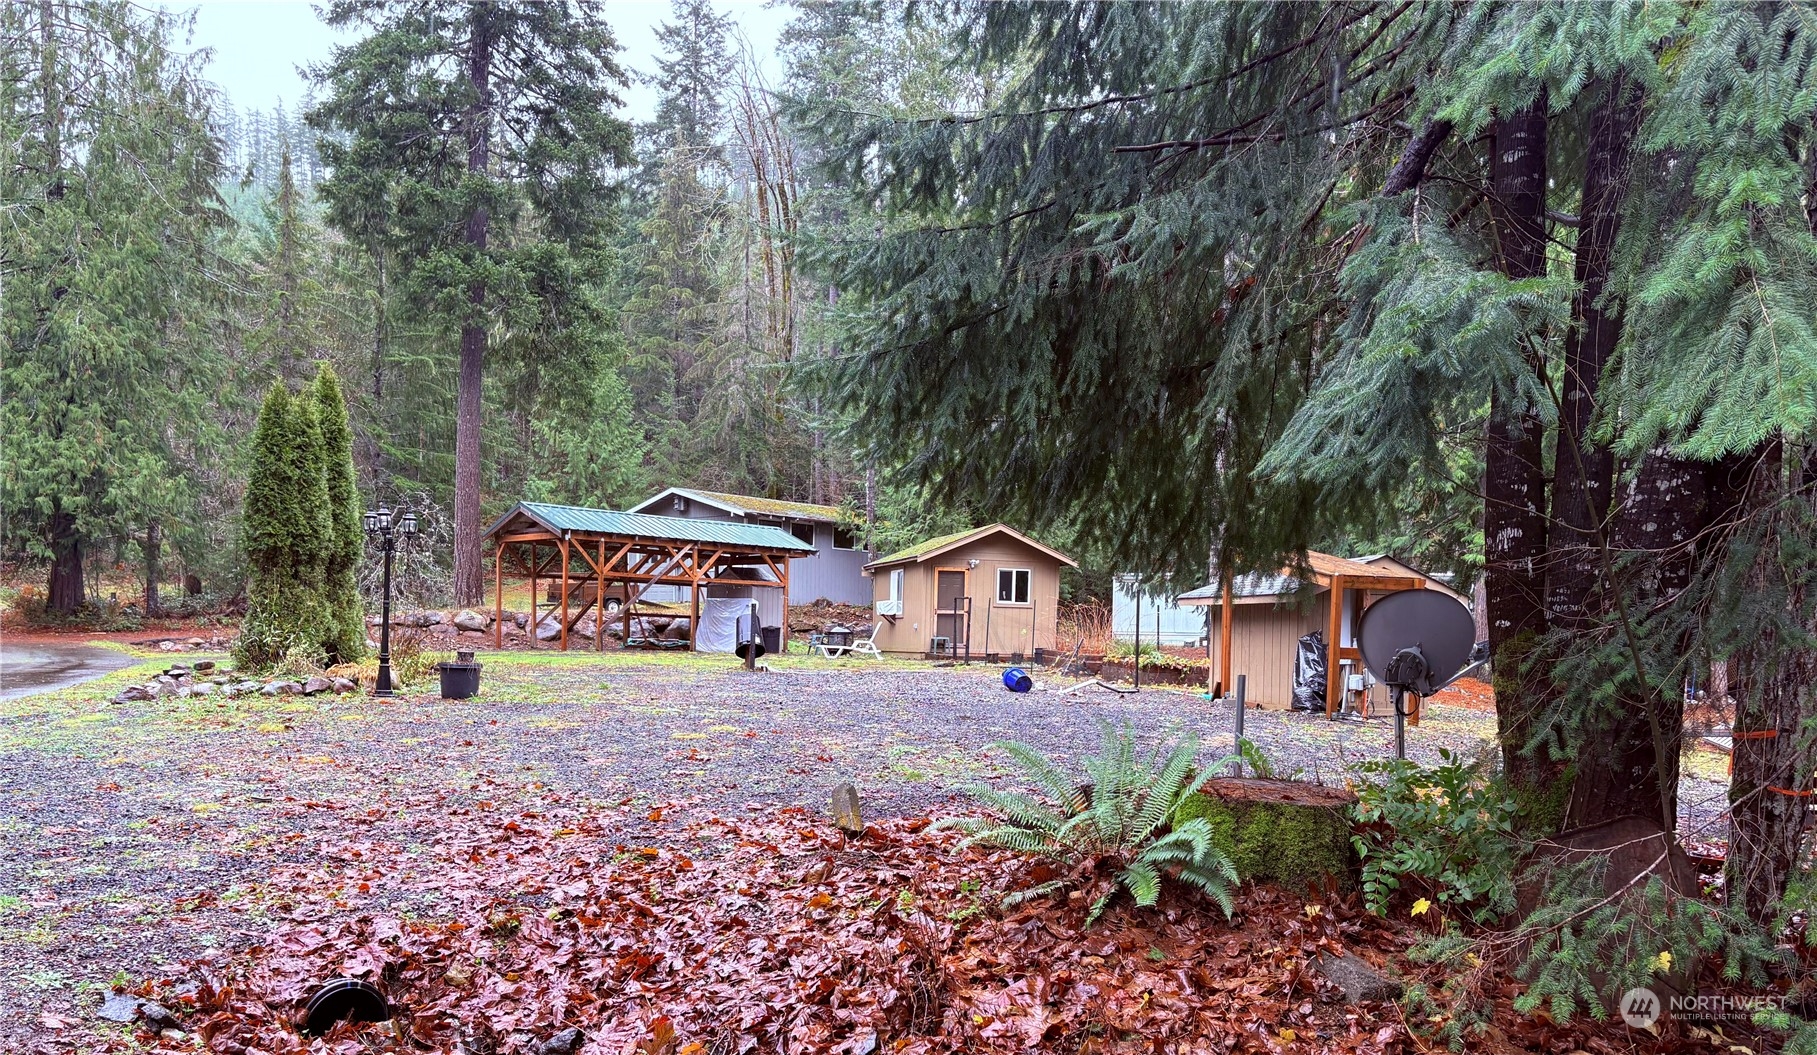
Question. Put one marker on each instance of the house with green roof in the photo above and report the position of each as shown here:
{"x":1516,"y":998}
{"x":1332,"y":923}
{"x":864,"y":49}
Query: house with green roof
{"x":835,"y":570}
{"x":987,"y":591}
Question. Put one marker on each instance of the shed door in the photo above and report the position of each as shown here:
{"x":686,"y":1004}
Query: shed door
{"x":949,"y":605}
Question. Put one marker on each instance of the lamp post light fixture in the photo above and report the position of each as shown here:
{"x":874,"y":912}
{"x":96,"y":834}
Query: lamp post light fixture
{"x":381,"y":525}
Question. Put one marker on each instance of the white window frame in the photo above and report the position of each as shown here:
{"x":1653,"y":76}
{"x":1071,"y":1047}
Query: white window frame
{"x":1028,"y":590}
{"x":892,"y":605}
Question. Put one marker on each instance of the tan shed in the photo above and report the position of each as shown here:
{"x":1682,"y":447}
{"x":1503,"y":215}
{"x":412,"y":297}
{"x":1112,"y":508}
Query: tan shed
{"x":993,"y":589}
{"x":1268,"y":614}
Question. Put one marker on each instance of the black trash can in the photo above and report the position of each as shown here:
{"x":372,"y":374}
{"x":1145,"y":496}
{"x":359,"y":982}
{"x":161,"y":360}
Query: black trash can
{"x":460,"y":679}
{"x":772,"y":639}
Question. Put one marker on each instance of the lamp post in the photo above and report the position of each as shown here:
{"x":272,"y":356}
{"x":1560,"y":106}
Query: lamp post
{"x":381,"y":524}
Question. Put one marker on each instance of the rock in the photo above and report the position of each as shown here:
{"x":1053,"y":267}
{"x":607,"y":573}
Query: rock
{"x":419,"y":619}
{"x":177,"y":670}
{"x":135,"y":694}
{"x":195,"y":642}
{"x":1357,"y":978}
{"x":343,"y":685}
{"x":585,"y":628}
{"x":203,"y":666}
{"x":317,"y":684}
{"x":246,"y":687}
{"x":567,"y":1042}
{"x":468,"y":619}
{"x":206,"y":688}
{"x":520,"y":619}
{"x":371,"y":645}
{"x":549,"y":629}
{"x":846,"y":814}
{"x":275,"y":688}
{"x":123,"y":1007}
{"x":167,"y":645}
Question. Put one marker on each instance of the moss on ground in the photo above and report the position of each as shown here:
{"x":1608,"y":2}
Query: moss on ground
{"x":1293,"y":845}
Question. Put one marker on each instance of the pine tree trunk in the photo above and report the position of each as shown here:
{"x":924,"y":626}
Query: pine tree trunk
{"x":468,"y":558}
{"x":1514,"y":484}
{"x":1773,"y":683}
{"x":1580,"y":487}
{"x":66,"y":587}
{"x":154,"y":552}
{"x":1628,"y":763}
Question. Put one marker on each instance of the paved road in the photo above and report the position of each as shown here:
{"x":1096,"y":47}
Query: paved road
{"x":42,"y":666}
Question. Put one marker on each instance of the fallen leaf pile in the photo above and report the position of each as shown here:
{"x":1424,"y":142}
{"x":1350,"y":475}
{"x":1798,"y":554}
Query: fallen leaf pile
{"x":781,"y":935}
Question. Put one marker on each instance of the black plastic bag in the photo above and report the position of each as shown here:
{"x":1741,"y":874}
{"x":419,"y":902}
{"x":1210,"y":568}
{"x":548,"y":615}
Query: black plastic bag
{"x":1309,"y":673}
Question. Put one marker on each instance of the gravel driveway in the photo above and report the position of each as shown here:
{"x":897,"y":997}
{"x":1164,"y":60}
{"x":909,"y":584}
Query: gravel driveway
{"x":135,"y":837}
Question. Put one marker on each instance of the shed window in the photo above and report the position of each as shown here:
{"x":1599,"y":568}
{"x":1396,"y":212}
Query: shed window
{"x":803,"y":530}
{"x":844,"y":537}
{"x":1012,"y":585}
{"x":892,"y":605}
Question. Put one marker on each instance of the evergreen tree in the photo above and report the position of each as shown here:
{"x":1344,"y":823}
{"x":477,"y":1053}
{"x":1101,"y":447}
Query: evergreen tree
{"x":691,"y":78}
{"x":110,"y":185}
{"x":345,"y":617}
{"x":488,"y":126}
{"x":287,"y":536}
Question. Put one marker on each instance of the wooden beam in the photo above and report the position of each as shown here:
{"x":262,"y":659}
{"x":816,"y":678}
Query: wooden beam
{"x":1334,"y":625}
{"x":599,"y":600}
{"x":498,"y":597}
{"x":529,"y":536}
{"x":535,"y":603}
{"x":782,"y":642}
{"x":564,"y":629}
{"x":1225,"y":674}
{"x":694,"y":612}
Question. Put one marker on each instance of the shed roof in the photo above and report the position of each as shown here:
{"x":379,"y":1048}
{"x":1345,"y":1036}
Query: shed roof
{"x":921,"y":551}
{"x":749,"y":505}
{"x":1323,"y":566}
{"x":584,"y":520}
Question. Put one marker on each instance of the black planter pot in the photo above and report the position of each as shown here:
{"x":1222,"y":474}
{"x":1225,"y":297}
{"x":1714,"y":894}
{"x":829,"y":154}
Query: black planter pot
{"x":460,"y":679}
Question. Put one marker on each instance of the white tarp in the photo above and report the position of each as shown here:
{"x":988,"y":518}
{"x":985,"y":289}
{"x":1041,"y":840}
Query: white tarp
{"x":718,"y":629}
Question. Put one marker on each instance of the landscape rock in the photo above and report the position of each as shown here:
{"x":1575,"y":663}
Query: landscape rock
{"x":468,"y":619}
{"x":419,"y":619}
{"x":343,"y":685}
{"x":134,"y":694}
{"x":177,"y":670}
{"x":1357,"y":978}
{"x":123,"y":1007}
{"x":520,"y":619}
{"x":203,"y":666}
{"x":205,"y":688}
{"x":247,"y":686}
{"x":847,"y":816}
{"x":567,"y":1042}
{"x":317,"y":685}
{"x":195,"y":642}
{"x":272,"y":689}
{"x":549,"y":629}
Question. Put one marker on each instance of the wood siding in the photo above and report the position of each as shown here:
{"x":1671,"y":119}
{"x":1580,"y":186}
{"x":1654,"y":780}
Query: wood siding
{"x":1264,"y":641}
{"x":1002,"y":628}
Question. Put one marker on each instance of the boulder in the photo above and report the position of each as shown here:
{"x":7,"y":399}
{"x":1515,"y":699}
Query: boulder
{"x":195,"y":642}
{"x":275,"y":688}
{"x":317,"y":684}
{"x":585,"y":628}
{"x":204,"y":666}
{"x":177,"y":670}
{"x":203,"y":688}
{"x":520,"y":619}
{"x":1357,"y":978}
{"x":468,"y":619}
{"x":168,"y":645}
{"x":245,"y":687}
{"x":344,"y":685}
{"x":549,"y":629}
{"x":134,"y":694}
{"x":163,"y":685}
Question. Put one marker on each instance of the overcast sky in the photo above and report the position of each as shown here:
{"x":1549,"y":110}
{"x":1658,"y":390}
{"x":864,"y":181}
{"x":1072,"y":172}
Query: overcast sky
{"x":260,"y":45}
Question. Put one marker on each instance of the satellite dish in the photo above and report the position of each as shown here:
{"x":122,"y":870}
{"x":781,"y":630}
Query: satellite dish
{"x":1416,"y":641}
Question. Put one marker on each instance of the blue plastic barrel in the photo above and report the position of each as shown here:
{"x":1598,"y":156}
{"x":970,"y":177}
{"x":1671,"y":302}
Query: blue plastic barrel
{"x":1015,"y":679}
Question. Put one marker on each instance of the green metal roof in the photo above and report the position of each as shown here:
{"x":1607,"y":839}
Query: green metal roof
{"x":671,"y":529}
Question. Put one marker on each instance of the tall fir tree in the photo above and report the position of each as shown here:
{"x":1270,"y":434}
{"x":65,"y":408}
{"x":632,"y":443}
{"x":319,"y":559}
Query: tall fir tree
{"x":692,"y":76}
{"x":489,"y":126}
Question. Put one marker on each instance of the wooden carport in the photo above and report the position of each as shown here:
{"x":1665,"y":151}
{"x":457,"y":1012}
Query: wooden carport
{"x":579,"y":545}
{"x":1350,"y":584}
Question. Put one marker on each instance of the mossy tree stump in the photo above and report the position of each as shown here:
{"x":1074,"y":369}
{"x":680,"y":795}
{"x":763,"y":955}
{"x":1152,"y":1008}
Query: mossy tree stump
{"x":1280,"y":831}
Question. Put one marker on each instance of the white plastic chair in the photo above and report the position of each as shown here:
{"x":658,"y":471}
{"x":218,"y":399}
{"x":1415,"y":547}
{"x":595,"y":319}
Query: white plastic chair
{"x":868,"y":646}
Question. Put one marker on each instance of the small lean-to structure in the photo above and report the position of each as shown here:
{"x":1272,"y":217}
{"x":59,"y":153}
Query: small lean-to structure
{"x":992,"y":588}
{"x":588,"y":551}
{"x":1258,"y":620}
